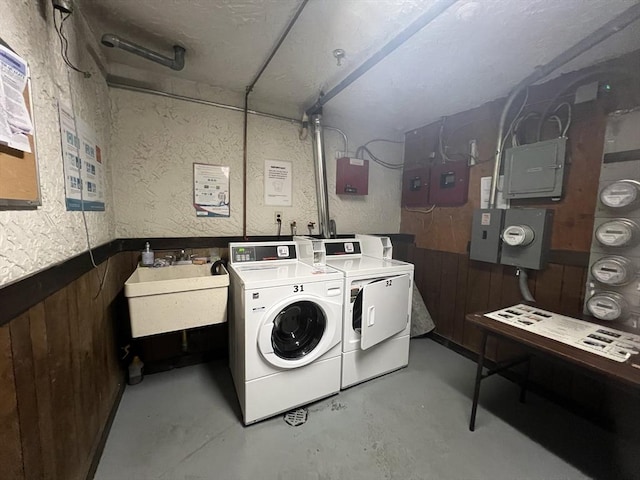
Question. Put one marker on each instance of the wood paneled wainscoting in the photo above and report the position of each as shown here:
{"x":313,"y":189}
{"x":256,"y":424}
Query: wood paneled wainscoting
{"x":452,"y":286}
{"x":60,"y":376}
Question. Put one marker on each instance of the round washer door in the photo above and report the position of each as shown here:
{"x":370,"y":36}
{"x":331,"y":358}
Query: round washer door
{"x":297,"y":332}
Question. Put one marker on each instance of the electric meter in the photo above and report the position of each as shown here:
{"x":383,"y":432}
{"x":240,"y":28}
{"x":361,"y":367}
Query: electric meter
{"x":621,"y":194}
{"x":608,"y":306}
{"x":613,"y":270}
{"x":518,"y":235}
{"x":618,"y":233}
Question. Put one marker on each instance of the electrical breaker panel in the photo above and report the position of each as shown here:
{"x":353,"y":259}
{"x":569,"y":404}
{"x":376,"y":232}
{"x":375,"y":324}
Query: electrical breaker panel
{"x":535,"y":170}
{"x":485,"y":235}
{"x":415,"y":187}
{"x":449,"y":185}
{"x":526,"y":237}
{"x":352,"y":176}
{"x":613,"y":285}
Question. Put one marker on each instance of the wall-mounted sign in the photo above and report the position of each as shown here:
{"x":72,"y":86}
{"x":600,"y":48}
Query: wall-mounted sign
{"x":211,"y":190}
{"x":84,"y":167}
{"x":277,"y":183}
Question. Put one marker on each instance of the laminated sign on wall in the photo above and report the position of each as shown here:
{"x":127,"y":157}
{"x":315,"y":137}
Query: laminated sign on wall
{"x":211,"y":190}
{"x":84,"y":170}
{"x":277,"y":183}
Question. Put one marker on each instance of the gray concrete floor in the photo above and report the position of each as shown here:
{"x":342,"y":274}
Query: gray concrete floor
{"x":411,"y":424}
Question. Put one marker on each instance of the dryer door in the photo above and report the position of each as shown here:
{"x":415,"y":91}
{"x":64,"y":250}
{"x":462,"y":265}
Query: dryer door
{"x":385,"y":309}
{"x":296,"y":334}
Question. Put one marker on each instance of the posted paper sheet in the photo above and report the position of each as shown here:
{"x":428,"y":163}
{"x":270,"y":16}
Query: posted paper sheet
{"x":15,"y":120}
{"x":84,"y":169}
{"x":277,"y":183}
{"x":211,"y":190}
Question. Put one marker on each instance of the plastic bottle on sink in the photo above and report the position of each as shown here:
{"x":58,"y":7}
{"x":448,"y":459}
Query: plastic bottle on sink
{"x":147,"y":256}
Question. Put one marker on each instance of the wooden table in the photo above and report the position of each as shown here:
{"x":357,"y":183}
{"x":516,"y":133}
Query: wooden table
{"x":627,"y":373}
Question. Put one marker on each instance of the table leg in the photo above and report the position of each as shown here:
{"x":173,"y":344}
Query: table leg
{"x":525,"y":381}
{"x":476,"y":392}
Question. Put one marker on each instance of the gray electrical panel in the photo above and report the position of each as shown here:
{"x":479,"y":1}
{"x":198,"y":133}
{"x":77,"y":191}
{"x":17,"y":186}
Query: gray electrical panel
{"x":485,"y":235}
{"x":535,"y":170}
{"x":614,"y":265}
{"x":526,"y":237}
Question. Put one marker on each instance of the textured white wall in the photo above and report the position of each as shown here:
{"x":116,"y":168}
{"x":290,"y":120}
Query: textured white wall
{"x":33,"y":240}
{"x":155,"y":140}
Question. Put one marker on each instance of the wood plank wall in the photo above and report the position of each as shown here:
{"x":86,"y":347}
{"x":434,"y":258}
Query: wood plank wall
{"x":452,"y":285}
{"x":60,"y":376}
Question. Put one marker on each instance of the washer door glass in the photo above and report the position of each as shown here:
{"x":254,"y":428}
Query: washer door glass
{"x":297,"y":330}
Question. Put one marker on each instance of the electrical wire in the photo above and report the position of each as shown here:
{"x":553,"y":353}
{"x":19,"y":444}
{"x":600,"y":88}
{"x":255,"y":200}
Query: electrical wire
{"x":418,"y":210}
{"x":383,"y":140}
{"x":82,"y":209}
{"x":523,"y":118}
{"x":364,"y":149}
{"x":569,"y":113}
{"x":64,"y":44}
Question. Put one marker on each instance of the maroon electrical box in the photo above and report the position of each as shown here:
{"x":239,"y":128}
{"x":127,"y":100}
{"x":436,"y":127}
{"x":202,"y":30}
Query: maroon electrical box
{"x":415,"y":187}
{"x":449,"y":185}
{"x":352,"y":176}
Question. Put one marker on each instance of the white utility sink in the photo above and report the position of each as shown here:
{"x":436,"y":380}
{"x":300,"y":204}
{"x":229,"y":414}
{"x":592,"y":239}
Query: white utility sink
{"x":177,"y":297}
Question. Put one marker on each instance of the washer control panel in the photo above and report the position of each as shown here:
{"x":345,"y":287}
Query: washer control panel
{"x":243,"y":253}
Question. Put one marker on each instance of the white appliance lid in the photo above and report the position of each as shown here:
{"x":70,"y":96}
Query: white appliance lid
{"x":364,"y":265}
{"x":274,"y":273}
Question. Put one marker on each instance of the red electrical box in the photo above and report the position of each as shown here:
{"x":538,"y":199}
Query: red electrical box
{"x":449,"y":185}
{"x":415,"y":187}
{"x":352,"y":176}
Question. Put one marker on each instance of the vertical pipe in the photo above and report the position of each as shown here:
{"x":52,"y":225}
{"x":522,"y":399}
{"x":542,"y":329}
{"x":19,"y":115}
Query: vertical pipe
{"x":321,"y":175}
{"x":244,"y":164}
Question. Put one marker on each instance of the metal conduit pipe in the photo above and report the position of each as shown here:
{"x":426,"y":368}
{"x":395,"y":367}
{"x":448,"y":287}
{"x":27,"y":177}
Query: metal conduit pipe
{"x":423,"y":20}
{"x":248,"y":91}
{"x":321,"y":175}
{"x":133,"y":88}
{"x":620,"y":22}
{"x":177,"y":63}
{"x":523,"y":278}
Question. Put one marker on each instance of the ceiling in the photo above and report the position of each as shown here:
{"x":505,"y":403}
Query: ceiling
{"x":475,"y":52}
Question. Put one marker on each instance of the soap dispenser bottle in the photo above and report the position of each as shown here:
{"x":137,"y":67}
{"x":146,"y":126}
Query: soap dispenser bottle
{"x":147,"y":256}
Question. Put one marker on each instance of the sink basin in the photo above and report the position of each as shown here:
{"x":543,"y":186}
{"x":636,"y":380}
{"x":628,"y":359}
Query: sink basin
{"x":176,"y":297}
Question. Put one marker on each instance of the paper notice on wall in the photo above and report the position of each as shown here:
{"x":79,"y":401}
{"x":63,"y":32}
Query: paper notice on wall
{"x":83,"y":165}
{"x":278,"y":183}
{"x":15,"y":119}
{"x":211,"y":190}
{"x":485,"y":193}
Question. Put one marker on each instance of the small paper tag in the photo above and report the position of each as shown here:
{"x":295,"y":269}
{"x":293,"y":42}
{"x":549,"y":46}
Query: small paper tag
{"x":486,"y":219}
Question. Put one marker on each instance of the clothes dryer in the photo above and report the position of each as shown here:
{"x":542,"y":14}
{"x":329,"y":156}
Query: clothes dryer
{"x":285,"y":329}
{"x":377,"y":305}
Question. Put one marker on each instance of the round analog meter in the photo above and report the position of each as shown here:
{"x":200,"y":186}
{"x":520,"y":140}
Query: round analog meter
{"x":608,"y":306}
{"x":613,"y":270}
{"x":621,"y":194}
{"x":518,"y":235}
{"x":619,"y":232}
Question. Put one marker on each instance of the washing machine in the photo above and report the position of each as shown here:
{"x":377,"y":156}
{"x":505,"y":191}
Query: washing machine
{"x":285,"y":328}
{"x":377,"y":303}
